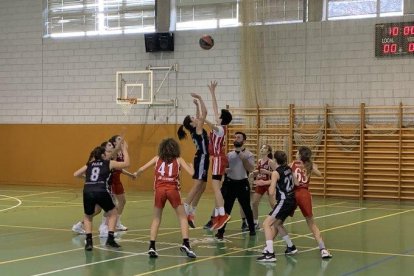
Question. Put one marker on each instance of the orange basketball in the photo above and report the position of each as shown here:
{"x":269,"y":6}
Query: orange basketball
{"x":206,"y":42}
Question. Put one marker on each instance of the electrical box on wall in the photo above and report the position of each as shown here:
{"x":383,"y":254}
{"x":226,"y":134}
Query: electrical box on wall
{"x":156,"y":42}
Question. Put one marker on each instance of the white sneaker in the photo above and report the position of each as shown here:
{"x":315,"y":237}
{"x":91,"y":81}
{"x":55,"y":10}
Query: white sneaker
{"x":325,"y":254}
{"x":78,"y":228}
{"x":103,"y":231}
{"x":121,"y":227}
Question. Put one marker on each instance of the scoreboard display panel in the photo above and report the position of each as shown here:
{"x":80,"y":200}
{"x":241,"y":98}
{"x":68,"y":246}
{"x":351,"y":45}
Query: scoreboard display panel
{"x":394,"y":39}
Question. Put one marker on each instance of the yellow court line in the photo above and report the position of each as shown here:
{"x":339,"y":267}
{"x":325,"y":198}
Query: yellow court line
{"x":33,"y":227}
{"x":39,"y":256}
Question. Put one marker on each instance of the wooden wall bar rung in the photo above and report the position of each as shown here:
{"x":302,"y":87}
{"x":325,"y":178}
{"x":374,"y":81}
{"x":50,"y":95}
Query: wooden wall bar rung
{"x":362,"y":151}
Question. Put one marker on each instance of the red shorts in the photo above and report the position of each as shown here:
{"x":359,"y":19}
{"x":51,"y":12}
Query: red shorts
{"x":117,"y":188}
{"x":304,"y":201}
{"x":164,"y":193}
{"x":261,"y":189}
{"x":219,"y":164}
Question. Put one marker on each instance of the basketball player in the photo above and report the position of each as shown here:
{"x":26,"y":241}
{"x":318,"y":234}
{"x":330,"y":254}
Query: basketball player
{"x":110,"y":152}
{"x":265,"y":166}
{"x":216,"y":149}
{"x":96,"y":192}
{"x":201,"y":158}
{"x":282,"y":186}
{"x":302,"y":169}
{"x":166,"y":185}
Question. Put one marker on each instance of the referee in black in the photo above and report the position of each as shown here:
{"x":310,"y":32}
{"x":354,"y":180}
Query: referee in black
{"x":236,"y":184}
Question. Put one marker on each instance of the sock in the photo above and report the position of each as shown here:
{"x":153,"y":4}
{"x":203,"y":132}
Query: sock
{"x":216,"y":212}
{"x":152,"y":245}
{"x":89,"y":237}
{"x":256,"y":221}
{"x":186,"y":242}
{"x":269,"y":246}
{"x":321,"y":245}
{"x":221,"y":211}
{"x":187,"y":208}
{"x":111,"y":235}
{"x":287,"y":240}
{"x":192,"y":210}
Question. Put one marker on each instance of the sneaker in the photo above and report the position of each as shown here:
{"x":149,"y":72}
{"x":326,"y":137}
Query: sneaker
{"x":112,"y":243}
{"x":252,"y":233}
{"x":291,"y":250}
{"x":257,"y":226}
{"x":244,"y":226}
{"x":267,"y":257}
{"x":152,"y":253}
{"x":221,"y":221}
{"x":219,"y":236}
{"x":188,"y":251}
{"x":325,"y":254}
{"x":121,"y":227}
{"x":89,"y":246}
{"x":190,"y":219}
{"x":208,"y":225}
{"x":78,"y":228}
{"x":214,"y":222}
{"x":103,"y":231}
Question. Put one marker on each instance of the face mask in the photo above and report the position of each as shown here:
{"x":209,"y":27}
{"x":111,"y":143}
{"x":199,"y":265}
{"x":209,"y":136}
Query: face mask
{"x":237,"y":144}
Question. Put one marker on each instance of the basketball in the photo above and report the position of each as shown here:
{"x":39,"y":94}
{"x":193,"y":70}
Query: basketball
{"x":206,"y":42}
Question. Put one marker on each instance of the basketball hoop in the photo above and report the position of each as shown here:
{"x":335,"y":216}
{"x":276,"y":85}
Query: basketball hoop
{"x":126,"y":105}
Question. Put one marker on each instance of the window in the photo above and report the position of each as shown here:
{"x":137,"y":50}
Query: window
{"x":347,"y":9}
{"x":206,"y":14}
{"x":98,"y":17}
{"x":278,"y":11}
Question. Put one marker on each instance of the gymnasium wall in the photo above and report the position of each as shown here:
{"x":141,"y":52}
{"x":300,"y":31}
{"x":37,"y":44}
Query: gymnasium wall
{"x":49,"y":154}
{"x":57,"y":95}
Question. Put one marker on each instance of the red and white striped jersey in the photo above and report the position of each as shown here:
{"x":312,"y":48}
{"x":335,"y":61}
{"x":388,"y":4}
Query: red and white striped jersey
{"x":217,"y":142}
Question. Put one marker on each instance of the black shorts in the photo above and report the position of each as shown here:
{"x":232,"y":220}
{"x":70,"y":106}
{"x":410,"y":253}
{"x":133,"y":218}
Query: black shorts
{"x":201,"y":164}
{"x":103,"y":199}
{"x":283,"y":209}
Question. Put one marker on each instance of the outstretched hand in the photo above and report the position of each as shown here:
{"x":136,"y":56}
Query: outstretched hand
{"x":212,"y":86}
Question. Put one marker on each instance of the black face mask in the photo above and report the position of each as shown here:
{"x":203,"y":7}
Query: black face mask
{"x":237,"y":144}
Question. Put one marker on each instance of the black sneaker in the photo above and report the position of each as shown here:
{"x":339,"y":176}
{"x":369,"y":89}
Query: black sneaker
{"x":219,"y":236}
{"x":188,"y":251}
{"x":191,"y":224}
{"x":244,"y":226}
{"x":208,"y":225}
{"x":252,"y":233}
{"x":88,"y":246}
{"x":112,"y":243}
{"x":152,"y":253}
{"x":291,"y":250}
{"x":267,"y":257}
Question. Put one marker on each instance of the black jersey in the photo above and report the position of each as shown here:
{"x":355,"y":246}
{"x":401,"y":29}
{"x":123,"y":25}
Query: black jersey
{"x":97,"y":175}
{"x":285,"y":184}
{"x":201,"y":142}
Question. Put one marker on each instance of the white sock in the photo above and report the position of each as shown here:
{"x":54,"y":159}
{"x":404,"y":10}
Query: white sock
{"x":192,"y":210}
{"x":216,"y":212}
{"x":221,"y":211}
{"x":269,"y":246}
{"x":287,"y":240}
{"x":186,"y":208}
{"x":321,"y":245}
{"x":256,"y":221}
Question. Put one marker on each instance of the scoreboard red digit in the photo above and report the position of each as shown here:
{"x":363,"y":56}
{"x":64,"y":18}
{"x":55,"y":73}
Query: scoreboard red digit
{"x":394,"y":39}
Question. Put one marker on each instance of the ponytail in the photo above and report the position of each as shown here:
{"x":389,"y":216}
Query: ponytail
{"x":181,"y":133}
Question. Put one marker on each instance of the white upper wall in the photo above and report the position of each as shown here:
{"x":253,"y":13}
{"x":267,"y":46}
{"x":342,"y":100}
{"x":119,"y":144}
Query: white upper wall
{"x":72,"y":80}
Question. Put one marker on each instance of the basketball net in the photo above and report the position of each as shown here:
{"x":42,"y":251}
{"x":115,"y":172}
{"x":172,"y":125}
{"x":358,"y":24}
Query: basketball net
{"x":126,"y":105}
